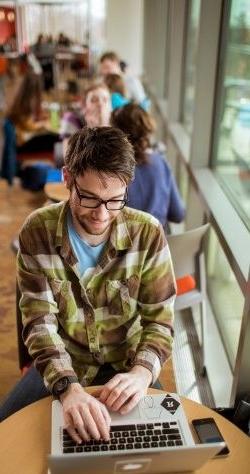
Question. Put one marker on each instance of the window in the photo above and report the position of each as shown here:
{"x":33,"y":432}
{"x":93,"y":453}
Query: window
{"x":231,"y":152}
{"x":156,"y":21}
{"x":183,"y":181}
{"x":225,"y":297}
{"x":97,"y":27}
{"x":52,"y":19}
{"x":82,"y":21}
{"x":190,"y":64}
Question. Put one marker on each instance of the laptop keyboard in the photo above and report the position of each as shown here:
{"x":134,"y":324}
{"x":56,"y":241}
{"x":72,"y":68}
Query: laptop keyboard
{"x":129,"y":437}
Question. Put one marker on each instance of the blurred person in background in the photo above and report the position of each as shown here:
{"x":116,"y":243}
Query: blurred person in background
{"x":95,"y":112}
{"x":117,"y":89}
{"x":28,"y":63}
{"x":154,"y":188}
{"x":110,"y":63}
{"x":44,"y":51}
{"x":31,"y":127}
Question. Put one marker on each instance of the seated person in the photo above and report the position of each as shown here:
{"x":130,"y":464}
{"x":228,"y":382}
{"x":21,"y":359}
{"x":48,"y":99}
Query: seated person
{"x":154,"y":187}
{"x":97,"y":291}
{"x":95,"y":112}
{"x":32,"y":129}
{"x":110,"y":64}
{"x":117,"y":90}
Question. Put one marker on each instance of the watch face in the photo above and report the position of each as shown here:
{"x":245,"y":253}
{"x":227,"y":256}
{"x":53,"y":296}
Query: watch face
{"x":60,"y":386}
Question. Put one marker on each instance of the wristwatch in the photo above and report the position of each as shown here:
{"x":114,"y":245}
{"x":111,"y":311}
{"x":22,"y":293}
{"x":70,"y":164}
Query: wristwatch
{"x":62,"y":385}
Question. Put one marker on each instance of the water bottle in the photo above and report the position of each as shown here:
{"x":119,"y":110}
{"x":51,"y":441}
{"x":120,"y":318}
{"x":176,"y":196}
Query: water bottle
{"x":54,"y":116}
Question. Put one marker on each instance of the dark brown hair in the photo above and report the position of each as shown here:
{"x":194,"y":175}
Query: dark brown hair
{"x":115,"y":83}
{"x":110,"y":56}
{"x":138,"y":126}
{"x":105,"y":150}
{"x":27,"y":101}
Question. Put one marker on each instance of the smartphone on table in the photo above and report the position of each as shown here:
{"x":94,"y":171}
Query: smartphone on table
{"x":208,"y":432}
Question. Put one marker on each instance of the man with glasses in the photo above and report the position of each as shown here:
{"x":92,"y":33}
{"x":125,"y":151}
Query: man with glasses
{"x":97,"y":291}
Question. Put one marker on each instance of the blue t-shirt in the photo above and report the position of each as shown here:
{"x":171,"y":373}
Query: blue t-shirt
{"x":86,"y":254}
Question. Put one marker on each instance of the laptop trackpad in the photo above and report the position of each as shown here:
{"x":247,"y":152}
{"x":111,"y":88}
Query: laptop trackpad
{"x":132,"y":466}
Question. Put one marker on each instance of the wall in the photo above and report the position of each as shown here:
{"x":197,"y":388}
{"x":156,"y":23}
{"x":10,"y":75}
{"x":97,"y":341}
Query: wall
{"x":124,"y":29}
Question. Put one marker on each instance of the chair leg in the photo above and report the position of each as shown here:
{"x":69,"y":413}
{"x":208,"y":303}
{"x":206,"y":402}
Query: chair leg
{"x":202,"y":272}
{"x":203,"y":337}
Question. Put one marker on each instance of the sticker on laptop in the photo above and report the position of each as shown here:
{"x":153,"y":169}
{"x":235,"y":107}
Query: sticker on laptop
{"x":155,"y":407}
{"x":170,"y":404}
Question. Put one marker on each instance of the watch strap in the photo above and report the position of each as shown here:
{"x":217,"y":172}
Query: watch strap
{"x":72,"y":378}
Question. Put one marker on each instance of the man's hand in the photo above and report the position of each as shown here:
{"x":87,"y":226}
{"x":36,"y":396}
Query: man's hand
{"x":85,"y":417}
{"x":123,"y":391}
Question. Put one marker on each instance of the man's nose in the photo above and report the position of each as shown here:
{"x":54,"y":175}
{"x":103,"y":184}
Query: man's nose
{"x":101,"y":212}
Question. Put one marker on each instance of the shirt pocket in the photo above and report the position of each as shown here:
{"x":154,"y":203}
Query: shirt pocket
{"x":120,"y":304}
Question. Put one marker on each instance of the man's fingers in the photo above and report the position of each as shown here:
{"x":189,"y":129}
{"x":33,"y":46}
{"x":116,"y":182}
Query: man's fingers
{"x":122,"y":399}
{"x":117,"y":392}
{"x":96,"y":394}
{"x":80,"y":425}
{"x":74,"y":426}
{"x":90,"y":423}
{"x":73,"y":434}
{"x":108,"y":387}
{"x":68,"y":425}
{"x":127,"y":407}
{"x":106,"y":415}
{"x":101,"y":422}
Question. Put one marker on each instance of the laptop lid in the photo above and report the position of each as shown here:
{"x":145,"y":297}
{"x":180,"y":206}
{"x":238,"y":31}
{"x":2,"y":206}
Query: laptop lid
{"x":183,"y":459}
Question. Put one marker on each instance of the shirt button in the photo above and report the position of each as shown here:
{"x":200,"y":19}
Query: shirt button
{"x":98,"y":357}
{"x":89,"y":318}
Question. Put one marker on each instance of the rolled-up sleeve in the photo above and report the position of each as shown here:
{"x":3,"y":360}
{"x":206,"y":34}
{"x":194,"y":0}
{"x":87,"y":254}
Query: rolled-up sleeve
{"x":39,"y":317}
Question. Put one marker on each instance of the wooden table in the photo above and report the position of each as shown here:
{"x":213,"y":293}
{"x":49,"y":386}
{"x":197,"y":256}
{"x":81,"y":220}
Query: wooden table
{"x":56,"y":192}
{"x":25,"y":441}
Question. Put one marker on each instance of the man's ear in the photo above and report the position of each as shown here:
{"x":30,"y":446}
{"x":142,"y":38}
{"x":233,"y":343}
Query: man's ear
{"x":67,"y":178}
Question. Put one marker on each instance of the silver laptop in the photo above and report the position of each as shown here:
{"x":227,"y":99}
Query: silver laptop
{"x":153,"y":438}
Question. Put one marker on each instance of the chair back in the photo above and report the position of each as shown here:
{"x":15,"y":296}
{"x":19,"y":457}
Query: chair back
{"x":23,"y":355}
{"x":184,"y":249}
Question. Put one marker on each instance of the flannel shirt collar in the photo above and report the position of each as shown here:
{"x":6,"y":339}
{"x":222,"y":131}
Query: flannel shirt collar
{"x":119,"y":238}
{"x":62,"y":239}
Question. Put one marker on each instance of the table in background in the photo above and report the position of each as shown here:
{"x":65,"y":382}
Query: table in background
{"x":25,"y":440}
{"x":56,"y":192}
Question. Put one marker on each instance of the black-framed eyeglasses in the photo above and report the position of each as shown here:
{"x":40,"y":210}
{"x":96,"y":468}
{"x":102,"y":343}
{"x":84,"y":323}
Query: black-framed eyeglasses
{"x":94,"y":203}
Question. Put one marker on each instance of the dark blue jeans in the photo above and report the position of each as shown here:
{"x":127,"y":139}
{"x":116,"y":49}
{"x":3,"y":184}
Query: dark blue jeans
{"x":31,"y":388}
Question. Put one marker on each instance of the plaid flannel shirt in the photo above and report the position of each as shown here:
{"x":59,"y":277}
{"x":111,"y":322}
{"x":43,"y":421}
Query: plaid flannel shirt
{"x":121,"y":314}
